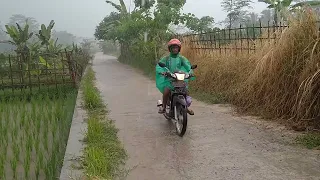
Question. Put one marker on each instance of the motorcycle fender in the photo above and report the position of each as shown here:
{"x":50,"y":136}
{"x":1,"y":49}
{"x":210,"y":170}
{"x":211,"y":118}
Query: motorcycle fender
{"x":180,"y":99}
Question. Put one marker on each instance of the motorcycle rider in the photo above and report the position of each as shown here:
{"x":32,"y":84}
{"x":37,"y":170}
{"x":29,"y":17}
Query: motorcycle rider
{"x":173,"y":62}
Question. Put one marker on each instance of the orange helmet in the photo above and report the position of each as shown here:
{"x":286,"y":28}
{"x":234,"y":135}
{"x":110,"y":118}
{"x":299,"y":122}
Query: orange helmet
{"x":174,"y":42}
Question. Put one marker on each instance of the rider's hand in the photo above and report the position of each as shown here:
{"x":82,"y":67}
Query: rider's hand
{"x":164,"y":73}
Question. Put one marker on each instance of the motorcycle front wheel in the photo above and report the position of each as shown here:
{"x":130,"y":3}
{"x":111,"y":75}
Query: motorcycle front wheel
{"x":182,"y":121}
{"x":167,"y":114}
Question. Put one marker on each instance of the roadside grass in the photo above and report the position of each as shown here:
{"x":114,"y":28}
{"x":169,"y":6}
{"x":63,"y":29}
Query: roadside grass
{"x":210,"y":98}
{"x":104,"y":154}
{"x":310,"y":140}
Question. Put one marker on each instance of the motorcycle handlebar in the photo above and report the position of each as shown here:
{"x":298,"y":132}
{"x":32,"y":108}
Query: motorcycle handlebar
{"x":171,"y":75}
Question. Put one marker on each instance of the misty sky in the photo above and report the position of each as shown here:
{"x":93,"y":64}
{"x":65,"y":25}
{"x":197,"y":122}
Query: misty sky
{"x":80,"y":17}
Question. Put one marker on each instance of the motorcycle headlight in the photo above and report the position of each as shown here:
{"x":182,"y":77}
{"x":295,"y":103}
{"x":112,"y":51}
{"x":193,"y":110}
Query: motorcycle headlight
{"x":180,"y":77}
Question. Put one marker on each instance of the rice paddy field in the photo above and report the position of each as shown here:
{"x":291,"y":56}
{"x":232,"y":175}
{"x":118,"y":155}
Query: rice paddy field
{"x":34,"y":130}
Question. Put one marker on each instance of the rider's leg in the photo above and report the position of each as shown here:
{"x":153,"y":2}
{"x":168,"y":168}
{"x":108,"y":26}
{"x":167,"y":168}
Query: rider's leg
{"x":190,"y":111}
{"x":165,"y":97}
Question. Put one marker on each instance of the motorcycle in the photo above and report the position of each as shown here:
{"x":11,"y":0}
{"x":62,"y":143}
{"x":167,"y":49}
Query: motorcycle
{"x":176,"y":109}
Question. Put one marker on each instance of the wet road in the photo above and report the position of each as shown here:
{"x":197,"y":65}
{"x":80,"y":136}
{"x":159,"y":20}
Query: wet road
{"x":216,"y":145}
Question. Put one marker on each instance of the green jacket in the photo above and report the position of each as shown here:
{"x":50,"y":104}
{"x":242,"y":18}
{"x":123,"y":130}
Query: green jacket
{"x":173,"y":63}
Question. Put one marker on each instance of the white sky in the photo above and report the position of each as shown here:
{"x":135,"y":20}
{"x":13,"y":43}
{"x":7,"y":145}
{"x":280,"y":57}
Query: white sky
{"x":80,"y":17}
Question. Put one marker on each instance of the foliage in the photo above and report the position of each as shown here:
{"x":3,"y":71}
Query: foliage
{"x":23,"y":20}
{"x":279,"y":80}
{"x":34,"y":133}
{"x":19,"y":36}
{"x":35,"y":125}
{"x":204,"y":24}
{"x":145,"y":30}
{"x":109,"y":47}
{"x":26,"y":67}
{"x":235,"y":9}
{"x":105,"y":30}
{"x":45,"y":33}
{"x":127,"y":28}
{"x":147,"y":3}
{"x":64,"y":38}
{"x":281,"y":7}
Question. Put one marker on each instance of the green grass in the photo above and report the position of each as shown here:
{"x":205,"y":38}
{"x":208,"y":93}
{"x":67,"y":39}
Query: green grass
{"x":104,"y":154}
{"x":33,"y":134}
{"x":42,"y":91}
{"x":309,"y":140}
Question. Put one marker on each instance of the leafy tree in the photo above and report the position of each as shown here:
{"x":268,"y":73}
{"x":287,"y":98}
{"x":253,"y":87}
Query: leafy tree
{"x":142,"y":30}
{"x":147,"y":3}
{"x":64,"y":38}
{"x":126,"y":27}
{"x":22,"y":20}
{"x":204,"y":24}
{"x":266,"y":16}
{"x":281,"y":7}
{"x":108,"y":46}
{"x":235,"y":9}
{"x":103,"y":30}
{"x":121,"y":8}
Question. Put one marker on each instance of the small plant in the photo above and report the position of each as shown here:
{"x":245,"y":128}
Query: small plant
{"x":14,"y":162}
{"x":37,"y":144}
{"x":38,"y":167}
{"x":16,"y":150}
{"x":29,"y":143}
{"x":104,"y":153}
{"x":2,"y":165}
{"x":26,"y":164}
{"x":310,"y":140}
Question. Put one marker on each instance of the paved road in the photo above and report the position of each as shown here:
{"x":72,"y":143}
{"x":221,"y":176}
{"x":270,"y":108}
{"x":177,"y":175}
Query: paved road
{"x":217,"y":145}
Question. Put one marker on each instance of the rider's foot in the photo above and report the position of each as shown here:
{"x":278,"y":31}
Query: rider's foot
{"x":190,"y":112}
{"x":161,"y":110}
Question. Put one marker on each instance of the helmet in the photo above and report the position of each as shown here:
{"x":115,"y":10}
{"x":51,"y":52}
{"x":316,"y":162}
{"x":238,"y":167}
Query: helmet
{"x":174,"y":42}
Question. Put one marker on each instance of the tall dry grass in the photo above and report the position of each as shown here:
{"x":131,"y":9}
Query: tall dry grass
{"x":280,"y":80}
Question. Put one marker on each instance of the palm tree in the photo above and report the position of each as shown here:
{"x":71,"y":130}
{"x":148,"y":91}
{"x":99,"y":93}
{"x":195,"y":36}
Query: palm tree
{"x":121,"y":8}
{"x":280,"y":6}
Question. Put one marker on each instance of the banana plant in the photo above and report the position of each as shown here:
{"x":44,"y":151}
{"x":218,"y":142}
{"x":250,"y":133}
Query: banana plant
{"x":54,"y":47}
{"x":19,"y":36}
{"x":37,"y":71}
{"x":34,"y":48}
{"x":45,"y":33}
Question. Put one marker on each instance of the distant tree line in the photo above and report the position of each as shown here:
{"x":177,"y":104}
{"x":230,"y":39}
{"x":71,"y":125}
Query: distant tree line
{"x":64,"y":38}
